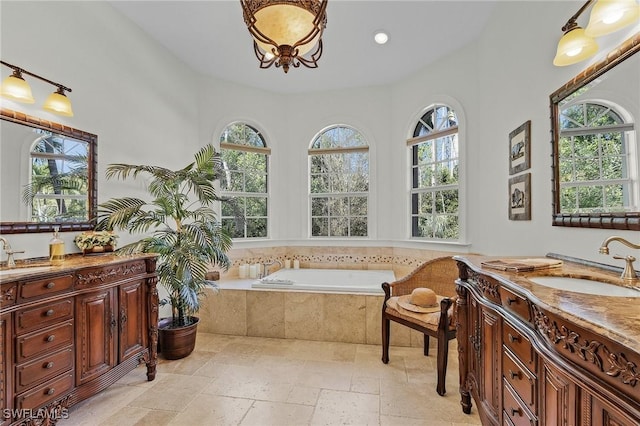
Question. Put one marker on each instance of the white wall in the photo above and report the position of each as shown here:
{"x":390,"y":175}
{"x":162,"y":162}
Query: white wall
{"x":138,"y":99}
{"x":147,"y":107}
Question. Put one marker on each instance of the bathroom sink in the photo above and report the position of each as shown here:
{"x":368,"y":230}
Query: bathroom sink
{"x":581,"y":285}
{"x":24,"y":270}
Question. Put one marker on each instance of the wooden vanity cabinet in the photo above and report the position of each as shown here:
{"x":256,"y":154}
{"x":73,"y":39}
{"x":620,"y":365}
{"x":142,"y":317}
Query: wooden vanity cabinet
{"x":525,"y":365}
{"x":69,"y":334}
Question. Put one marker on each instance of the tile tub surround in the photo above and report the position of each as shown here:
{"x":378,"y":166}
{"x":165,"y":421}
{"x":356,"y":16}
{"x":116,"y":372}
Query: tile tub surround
{"x":239,"y":310}
{"x":401,"y":260}
{"x":250,"y":381}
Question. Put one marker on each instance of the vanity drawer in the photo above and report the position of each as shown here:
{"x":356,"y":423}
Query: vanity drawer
{"x":46,"y":392}
{"x":514,"y":411}
{"x":519,"y":345}
{"x":521,"y":380}
{"x":43,"y":315}
{"x":515,"y":303}
{"x":44,"y":341}
{"x":47,"y":286}
{"x":43,"y":368}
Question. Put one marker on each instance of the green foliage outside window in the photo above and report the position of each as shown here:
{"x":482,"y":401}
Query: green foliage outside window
{"x":245,"y":182}
{"x":59,"y":185}
{"x":435,"y":176}
{"x":592,"y":160}
{"x":339,"y":184}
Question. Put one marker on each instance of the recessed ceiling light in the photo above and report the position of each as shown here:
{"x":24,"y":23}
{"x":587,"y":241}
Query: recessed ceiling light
{"x":381,"y":37}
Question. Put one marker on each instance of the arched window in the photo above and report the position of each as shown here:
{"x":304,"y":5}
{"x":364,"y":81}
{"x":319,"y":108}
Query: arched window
{"x":339,"y":183}
{"x":245,"y":159}
{"x":59,"y":187}
{"x":434,"y":175}
{"x":594,"y":162}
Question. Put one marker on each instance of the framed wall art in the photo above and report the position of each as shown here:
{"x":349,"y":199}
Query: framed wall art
{"x":519,"y":148}
{"x":520,"y":197}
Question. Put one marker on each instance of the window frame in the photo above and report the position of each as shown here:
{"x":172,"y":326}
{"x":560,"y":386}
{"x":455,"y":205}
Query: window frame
{"x":626,"y":128}
{"x":63,"y":158}
{"x":246,"y":195}
{"x":363,"y":148}
{"x":414,"y":164}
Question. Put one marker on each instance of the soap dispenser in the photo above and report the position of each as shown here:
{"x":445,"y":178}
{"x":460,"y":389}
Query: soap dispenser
{"x":56,"y":248}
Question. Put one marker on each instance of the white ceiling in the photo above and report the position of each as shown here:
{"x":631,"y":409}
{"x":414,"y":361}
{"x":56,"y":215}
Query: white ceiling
{"x":211,"y":38}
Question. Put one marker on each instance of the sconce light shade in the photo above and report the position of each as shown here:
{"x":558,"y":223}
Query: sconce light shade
{"x":58,"y":103}
{"x":14,"y":87}
{"x":608,"y":16}
{"x":284,"y":31}
{"x":573,"y":47}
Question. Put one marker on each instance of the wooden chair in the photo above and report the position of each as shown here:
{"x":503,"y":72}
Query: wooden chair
{"x":439,"y":275}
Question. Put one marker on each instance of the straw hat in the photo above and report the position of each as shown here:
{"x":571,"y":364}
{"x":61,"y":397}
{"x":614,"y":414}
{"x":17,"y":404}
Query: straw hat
{"x":421,"y":300}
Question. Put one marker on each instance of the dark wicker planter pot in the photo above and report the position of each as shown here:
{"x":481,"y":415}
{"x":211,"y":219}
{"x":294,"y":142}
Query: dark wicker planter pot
{"x":176,"y":343}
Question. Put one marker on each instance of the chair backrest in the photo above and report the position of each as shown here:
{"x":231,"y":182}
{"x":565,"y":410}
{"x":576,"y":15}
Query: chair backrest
{"x":437,"y":274}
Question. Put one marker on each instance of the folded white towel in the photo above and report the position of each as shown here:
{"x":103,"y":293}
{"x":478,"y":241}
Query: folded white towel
{"x":275,"y":281}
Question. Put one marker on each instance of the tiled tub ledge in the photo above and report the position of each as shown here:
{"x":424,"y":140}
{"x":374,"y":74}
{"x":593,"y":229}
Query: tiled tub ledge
{"x":237,"y":309}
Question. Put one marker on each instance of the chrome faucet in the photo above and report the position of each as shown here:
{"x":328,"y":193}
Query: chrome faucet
{"x":266,"y":266}
{"x":629,"y":274}
{"x":11,"y":263}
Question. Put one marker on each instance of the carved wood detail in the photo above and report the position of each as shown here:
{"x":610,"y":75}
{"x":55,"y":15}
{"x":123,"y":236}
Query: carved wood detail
{"x":8,"y":295}
{"x":107,"y":274}
{"x":589,"y":351}
{"x":487,"y":286}
{"x":49,"y":414}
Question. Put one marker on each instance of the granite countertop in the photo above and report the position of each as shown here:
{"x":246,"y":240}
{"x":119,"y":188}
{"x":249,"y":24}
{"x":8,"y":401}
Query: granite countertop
{"x":29,"y":268}
{"x":617,"y":318}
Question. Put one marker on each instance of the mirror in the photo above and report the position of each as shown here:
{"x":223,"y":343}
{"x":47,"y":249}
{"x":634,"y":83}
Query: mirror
{"x":593,"y":171}
{"x":49,"y":175}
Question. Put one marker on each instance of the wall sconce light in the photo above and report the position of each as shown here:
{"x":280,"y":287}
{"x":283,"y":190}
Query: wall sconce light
{"x":16,"y":88}
{"x":285,"y":31}
{"x":607,"y":16}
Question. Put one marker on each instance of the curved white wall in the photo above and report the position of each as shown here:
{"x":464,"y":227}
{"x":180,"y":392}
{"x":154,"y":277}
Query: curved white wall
{"x":146,"y":106}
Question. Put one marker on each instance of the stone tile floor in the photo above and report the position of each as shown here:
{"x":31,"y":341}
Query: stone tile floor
{"x":252,"y":381}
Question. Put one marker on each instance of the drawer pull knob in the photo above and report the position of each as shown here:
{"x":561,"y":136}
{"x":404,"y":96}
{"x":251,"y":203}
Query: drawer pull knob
{"x":49,"y":365}
{"x":51,"y":338}
{"x":49,"y":312}
{"x":51,"y":285}
{"x":515,"y":411}
{"x":51,"y":391}
{"x":511,"y":300}
{"x":513,"y":338}
{"x":514,"y":374}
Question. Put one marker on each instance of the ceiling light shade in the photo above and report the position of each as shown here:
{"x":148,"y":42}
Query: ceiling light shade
{"x":58,"y":103}
{"x":574,"y":46}
{"x":286,"y":32}
{"x":14,"y":87}
{"x":608,"y":16}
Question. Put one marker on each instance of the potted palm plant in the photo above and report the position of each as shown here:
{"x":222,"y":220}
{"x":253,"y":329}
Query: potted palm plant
{"x":182,"y":228}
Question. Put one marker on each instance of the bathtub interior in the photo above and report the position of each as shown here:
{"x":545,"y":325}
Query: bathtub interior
{"x":332,"y":280}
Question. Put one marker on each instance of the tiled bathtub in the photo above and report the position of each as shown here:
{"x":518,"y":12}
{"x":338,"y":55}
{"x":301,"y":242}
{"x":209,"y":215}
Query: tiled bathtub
{"x":237,"y":309}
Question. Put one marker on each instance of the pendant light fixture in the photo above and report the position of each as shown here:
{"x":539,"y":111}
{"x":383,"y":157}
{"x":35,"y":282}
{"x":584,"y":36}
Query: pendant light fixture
{"x":286,"y":32}
{"x":607,"y":16}
{"x":16,"y":88}
{"x":58,"y":103}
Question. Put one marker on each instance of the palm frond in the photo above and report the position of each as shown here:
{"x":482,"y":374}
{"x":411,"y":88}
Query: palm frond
{"x":185,"y":232}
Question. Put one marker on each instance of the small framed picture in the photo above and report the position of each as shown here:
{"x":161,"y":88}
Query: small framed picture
{"x":520,"y":197}
{"x":519,"y":148}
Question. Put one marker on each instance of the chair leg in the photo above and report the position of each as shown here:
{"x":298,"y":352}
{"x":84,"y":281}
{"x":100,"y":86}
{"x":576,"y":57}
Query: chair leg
{"x":386,"y":323}
{"x":443,"y":354}
{"x":426,"y":345}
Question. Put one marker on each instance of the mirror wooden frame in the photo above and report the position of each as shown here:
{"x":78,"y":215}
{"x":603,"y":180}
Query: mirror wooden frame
{"x":622,"y":220}
{"x":92,"y":140}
